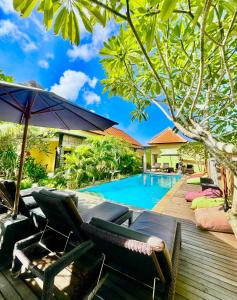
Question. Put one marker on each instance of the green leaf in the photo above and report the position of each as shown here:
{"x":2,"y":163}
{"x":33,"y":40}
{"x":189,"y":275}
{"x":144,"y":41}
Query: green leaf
{"x":167,"y":9}
{"x":59,"y":20}
{"x":19,"y":4}
{"x":85,"y":19}
{"x":77,"y":31}
{"x":28,"y":8}
{"x":150,"y":34}
{"x":99,"y":17}
{"x":65,"y":27}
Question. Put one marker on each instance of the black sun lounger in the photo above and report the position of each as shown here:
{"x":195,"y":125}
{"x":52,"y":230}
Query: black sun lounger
{"x":62,"y":234}
{"x":140,"y":262}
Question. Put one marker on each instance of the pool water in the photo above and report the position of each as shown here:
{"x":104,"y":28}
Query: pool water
{"x":143,"y":190}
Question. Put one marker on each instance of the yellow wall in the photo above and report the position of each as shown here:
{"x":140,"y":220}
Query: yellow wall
{"x":162,"y":149}
{"x":46,"y":159}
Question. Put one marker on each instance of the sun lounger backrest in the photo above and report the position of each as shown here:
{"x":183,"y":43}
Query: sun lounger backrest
{"x":60,"y":211}
{"x":10,"y":190}
{"x":135,"y":254}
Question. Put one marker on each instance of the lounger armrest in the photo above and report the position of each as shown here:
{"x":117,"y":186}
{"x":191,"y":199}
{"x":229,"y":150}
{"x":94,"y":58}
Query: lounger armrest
{"x":27,"y":241}
{"x":68,"y":258}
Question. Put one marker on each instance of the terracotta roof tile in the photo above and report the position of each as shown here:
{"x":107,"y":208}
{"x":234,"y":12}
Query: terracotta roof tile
{"x":121,"y":134}
{"x":167,"y":136}
{"x":118,"y":133}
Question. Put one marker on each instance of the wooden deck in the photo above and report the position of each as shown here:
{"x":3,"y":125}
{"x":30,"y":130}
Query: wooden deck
{"x":208,"y":260}
{"x":207,"y":265}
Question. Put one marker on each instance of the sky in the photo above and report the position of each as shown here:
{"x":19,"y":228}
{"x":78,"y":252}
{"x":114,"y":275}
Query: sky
{"x":28,"y":52}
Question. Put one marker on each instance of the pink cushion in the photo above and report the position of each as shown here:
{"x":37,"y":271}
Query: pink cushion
{"x":212,"y":193}
{"x":213,"y":219}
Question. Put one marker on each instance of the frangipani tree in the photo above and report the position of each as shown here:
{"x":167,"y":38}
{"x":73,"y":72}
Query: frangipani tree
{"x":179,"y":55}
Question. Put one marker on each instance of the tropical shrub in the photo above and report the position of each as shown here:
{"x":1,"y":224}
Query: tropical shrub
{"x":195,"y":150}
{"x":10,"y":141}
{"x":34,"y":170}
{"x":26,"y":183}
{"x":98,"y":159}
{"x":8,"y":161}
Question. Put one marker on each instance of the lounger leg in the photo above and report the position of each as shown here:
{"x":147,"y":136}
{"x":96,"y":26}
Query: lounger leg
{"x":130,"y":221}
{"x":48,"y":285}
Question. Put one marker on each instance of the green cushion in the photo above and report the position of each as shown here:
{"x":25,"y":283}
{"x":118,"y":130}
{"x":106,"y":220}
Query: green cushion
{"x":195,"y":180}
{"x":204,"y":202}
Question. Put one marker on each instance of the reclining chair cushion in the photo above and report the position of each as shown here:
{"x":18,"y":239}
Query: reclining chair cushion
{"x":107,"y":211}
{"x":129,"y":251}
{"x":60,"y":210}
{"x":154,"y":224}
{"x":11,"y":189}
{"x":30,"y":202}
{"x":28,"y":192}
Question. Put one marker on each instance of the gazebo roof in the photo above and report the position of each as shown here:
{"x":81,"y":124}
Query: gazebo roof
{"x":167,"y":136}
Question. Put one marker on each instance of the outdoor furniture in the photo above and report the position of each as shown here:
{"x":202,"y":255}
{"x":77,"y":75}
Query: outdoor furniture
{"x":143,"y":257}
{"x":31,"y":105}
{"x":170,"y":170}
{"x":156,"y":167}
{"x":206,"y":180}
{"x":212,"y":193}
{"x":60,"y":210}
{"x":165,"y":166}
{"x":189,"y":169}
{"x":26,"y":200}
{"x":12,"y":231}
{"x":213,"y":219}
{"x":61,"y":235}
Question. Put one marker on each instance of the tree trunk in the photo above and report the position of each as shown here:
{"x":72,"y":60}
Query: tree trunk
{"x":232,"y":213}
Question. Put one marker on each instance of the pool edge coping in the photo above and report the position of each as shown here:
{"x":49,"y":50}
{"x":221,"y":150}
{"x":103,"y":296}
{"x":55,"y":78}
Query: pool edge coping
{"x":161,"y":203}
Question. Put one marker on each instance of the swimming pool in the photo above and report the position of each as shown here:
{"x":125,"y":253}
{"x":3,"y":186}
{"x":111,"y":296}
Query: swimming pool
{"x":143,"y":190}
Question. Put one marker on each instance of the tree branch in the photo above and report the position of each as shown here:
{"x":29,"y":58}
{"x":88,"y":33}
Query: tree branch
{"x":167,"y":70}
{"x":230,"y":28}
{"x":218,"y":112}
{"x":187,"y":96}
{"x":201,"y":67}
{"x":140,"y":91}
{"x":230,"y":79}
{"x":118,"y":14}
{"x":157,"y":77}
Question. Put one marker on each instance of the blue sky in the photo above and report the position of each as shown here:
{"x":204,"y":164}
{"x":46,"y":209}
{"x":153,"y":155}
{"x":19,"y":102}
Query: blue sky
{"x":28,"y":52}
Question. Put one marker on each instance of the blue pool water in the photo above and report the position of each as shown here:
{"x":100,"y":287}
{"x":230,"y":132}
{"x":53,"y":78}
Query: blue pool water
{"x":143,"y":190}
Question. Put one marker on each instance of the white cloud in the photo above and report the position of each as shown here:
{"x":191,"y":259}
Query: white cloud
{"x":91,"y":98}
{"x":43,"y":64}
{"x":29,"y":46}
{"x":90,"y":50}
{"x":71,"y":83}
{"x":7,"y":6}
{"x":50,"y":55}
{"x":10,"y":29}
{"x":93,"y":82}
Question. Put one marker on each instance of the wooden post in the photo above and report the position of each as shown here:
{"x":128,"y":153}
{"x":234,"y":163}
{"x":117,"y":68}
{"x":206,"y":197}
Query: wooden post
{"x":144,"y":161}
{"x":22,"y":158}
{"x":232,"y":213}
{"x":59,"y":151}
{"x":26,"y":115}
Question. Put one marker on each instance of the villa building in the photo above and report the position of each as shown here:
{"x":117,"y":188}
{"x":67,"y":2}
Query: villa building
{"x":163,"y":150}
{"x":64,"y":141}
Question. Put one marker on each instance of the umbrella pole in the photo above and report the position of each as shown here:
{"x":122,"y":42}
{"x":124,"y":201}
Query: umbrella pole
{"x":22,"y":158}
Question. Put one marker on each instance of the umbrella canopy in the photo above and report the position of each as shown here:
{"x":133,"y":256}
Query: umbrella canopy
{"x":46,"y":109}
{"x":31,"y":105}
